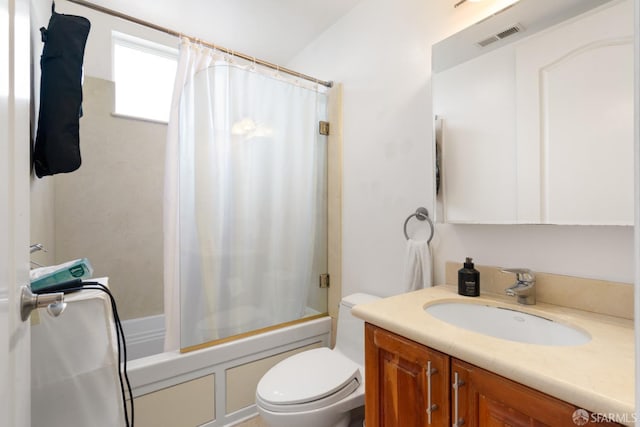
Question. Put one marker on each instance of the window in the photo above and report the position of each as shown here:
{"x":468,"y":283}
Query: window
{"x":144,"y":74}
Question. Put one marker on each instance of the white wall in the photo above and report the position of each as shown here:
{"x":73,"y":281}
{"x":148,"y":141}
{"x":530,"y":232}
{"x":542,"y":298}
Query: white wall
{"x":380,"y":52}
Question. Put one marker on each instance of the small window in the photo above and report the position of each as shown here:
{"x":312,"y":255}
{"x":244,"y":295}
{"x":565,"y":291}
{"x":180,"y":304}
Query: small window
{"x":144,"y":74}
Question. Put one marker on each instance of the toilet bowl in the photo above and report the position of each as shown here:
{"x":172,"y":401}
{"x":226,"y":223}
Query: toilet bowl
{"x":319,"y":387}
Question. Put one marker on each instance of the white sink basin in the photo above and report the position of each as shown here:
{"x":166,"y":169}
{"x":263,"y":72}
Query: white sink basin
{"x":508,"y":324}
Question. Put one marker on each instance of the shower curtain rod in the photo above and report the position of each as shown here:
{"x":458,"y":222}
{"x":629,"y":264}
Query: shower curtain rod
{"x":204,"y":43}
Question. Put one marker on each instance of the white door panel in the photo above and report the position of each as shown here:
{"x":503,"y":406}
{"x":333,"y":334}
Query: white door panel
{"x":15,"y":394}
{"x":575,"y":120}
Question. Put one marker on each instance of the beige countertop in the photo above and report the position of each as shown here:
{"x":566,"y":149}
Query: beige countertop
{"x":597,"y":376}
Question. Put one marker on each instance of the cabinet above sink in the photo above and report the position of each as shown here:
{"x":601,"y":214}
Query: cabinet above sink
{"x":539,"y":130}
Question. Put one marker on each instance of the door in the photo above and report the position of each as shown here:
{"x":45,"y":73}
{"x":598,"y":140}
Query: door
{"x":406,"y":383}
{"x":574,"y":103}
{"x":484,"y":399}
{"x":15,"y":376}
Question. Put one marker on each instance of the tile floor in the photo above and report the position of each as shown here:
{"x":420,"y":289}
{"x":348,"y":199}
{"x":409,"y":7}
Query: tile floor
{"x":253,"y":422}
{"x":258,"y":422}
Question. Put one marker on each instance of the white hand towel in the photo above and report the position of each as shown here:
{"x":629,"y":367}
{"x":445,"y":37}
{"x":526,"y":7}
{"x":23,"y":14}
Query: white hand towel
{"x":417,"y":267}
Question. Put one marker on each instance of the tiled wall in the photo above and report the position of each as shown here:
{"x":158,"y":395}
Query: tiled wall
{"x":110,"y":210}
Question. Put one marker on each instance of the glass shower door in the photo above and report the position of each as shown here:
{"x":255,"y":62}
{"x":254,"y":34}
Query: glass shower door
{"x":253,"y":204}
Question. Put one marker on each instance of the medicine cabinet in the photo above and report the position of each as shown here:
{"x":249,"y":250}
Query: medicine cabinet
{"x":534,"y":116}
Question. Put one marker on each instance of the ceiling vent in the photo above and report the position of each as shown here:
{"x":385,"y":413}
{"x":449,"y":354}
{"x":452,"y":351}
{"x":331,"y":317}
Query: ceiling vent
{"x":514,"y":29}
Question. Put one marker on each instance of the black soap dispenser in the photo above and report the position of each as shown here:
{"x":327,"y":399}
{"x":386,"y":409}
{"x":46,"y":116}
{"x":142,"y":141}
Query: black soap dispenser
{"x":469,"y":280}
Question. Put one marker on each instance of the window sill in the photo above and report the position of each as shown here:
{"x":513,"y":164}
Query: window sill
{"x":141,"y":119}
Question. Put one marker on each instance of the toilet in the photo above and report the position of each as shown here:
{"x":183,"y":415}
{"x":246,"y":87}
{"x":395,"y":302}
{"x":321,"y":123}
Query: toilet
{"x":319,"y":387}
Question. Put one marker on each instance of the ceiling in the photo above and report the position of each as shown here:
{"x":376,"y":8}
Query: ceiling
{"x":273,"y":30}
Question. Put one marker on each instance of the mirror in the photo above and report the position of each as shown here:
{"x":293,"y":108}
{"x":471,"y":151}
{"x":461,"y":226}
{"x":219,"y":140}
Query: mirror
{"x":534,"y":116}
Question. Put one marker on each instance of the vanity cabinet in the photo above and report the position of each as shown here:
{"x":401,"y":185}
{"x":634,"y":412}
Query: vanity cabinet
{"x":400,"y":390}
{"x":406,"y":384}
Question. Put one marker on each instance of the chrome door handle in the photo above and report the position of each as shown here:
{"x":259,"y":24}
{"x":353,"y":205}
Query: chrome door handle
{"x":430,"y":407}
{"x":457,"y":383}
{"x":30,"y":301}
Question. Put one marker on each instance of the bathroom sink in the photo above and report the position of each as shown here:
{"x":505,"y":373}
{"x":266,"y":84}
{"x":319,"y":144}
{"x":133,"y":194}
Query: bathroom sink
{"x":508,"y":324}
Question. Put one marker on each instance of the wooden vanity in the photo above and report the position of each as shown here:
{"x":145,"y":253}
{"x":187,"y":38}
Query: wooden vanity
{"x":420,"y":371}
{"x":409,"y":384}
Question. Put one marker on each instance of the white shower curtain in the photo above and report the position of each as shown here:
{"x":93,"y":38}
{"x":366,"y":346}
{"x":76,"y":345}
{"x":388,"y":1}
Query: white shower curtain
{"x":245,"y":190}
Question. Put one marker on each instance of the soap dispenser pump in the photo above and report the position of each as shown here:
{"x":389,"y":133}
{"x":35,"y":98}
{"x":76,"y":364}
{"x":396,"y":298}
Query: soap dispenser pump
{"x":469,"y":279}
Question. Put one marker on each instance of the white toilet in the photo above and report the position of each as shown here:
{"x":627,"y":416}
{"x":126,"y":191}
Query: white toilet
{"x":319,"y":387}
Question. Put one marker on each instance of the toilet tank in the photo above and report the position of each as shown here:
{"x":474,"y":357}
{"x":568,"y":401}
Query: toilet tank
{"x":350,"y":334}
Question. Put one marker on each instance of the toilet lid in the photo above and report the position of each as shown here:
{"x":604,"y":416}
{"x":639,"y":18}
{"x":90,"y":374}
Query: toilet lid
{"x":309,"y":376}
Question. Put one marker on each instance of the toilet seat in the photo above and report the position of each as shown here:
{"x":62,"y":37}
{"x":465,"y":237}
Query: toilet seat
{"x":309,"y":380}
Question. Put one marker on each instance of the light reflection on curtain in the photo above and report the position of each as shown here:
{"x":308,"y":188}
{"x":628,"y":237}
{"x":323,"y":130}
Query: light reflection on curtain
{"x":252,"y":199}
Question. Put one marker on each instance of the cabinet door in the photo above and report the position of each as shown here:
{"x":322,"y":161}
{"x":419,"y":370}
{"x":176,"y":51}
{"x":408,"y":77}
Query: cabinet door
{"x":476,"y":102}
{"x":403,"y":380}
{"x":574,"y":92}
{"x":484,"y":399}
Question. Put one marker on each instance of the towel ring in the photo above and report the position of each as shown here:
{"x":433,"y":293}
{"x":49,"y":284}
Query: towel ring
{"x":421,"y":214}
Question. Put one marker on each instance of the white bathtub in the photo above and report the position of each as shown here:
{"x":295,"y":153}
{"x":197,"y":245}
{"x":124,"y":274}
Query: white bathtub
{"x":145,"y":336}
{"x":154,"y":375}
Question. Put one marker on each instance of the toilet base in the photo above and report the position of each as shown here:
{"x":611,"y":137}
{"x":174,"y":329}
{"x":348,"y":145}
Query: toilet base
{"x":311,"y":419}
{"x":357,"y":417}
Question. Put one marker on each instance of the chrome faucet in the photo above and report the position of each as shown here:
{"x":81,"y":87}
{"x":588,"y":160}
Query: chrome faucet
{"x":524,"y":288}
{"x":37,"y":247}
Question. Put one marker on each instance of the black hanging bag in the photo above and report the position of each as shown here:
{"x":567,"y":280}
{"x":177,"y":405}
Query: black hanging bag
{"x":57,"y":145}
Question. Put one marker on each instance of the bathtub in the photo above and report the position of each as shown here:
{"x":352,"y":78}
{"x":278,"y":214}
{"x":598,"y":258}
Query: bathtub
{"x":212,"y":387}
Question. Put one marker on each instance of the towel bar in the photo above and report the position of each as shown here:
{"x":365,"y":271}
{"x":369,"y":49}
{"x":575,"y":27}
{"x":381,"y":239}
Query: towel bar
{"x":421,"y":214}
